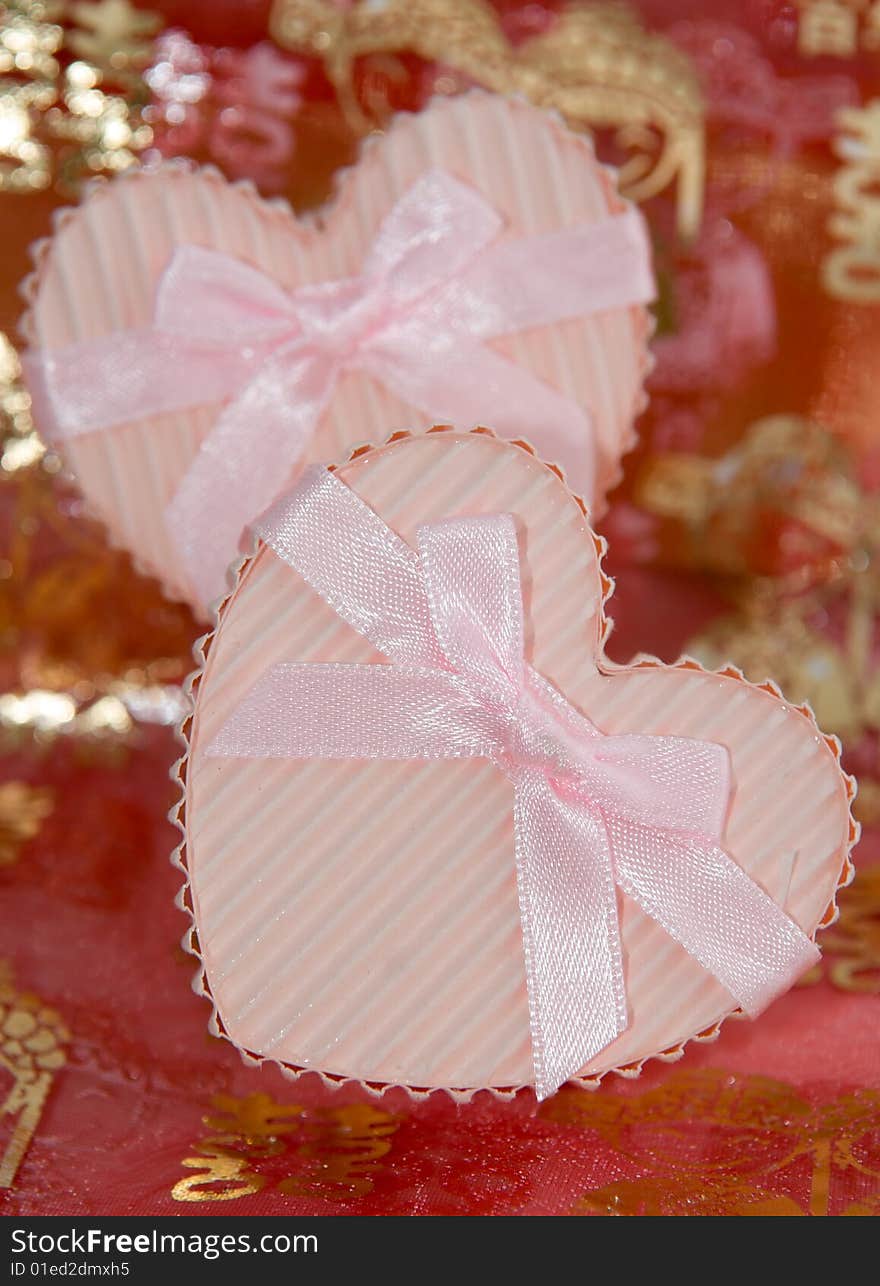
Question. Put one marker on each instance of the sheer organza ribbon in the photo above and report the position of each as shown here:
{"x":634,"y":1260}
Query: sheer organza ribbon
{"x":591,"y":812}
{"x":437,"y":283}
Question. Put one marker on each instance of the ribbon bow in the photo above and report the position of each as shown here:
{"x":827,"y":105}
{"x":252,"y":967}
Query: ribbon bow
{"x":591,"y":812}
{"x":435,"y":285}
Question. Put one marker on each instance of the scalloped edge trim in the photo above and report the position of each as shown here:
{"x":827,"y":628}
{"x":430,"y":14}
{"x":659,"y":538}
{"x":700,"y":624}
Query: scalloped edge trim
{"x":315,"y":221}
{"x":378,"y":1089}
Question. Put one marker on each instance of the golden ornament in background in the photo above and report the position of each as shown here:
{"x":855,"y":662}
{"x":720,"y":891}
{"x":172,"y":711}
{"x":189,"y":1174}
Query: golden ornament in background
{"x":30,"y":38}
{"x":785,"y":469}
{"x":783,"y":524}
{"x":72,"y":92}
{"x":20,"y":447}
{"x":851,"y":947}
{"x":23,"y":809}
{"x":596,"y":66}
{"x":59,"y":676}
{"x":779,"y":642}
{"x":789,"y":641}
{"x":820,"y":648}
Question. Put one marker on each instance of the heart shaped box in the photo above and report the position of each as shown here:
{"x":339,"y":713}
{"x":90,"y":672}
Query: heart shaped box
{"x":360,"y":919}
{"x":98,"y":275}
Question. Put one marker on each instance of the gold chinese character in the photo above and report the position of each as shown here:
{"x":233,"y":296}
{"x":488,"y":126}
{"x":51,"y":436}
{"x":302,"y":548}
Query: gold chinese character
{"x":829,"y":27}
{"x":245,"y":1129}
{"x":334,"y":1152}
{"x":852,"y":270}
{"x":112,"y":35}
{"x":342,"y":1147}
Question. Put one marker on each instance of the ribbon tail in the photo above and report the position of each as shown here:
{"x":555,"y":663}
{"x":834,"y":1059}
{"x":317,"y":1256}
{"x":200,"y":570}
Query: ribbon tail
{"x":712,"y":908}
{"x":255,"y":446}
{"x":571,"y":937}
{"x":206,"y":293}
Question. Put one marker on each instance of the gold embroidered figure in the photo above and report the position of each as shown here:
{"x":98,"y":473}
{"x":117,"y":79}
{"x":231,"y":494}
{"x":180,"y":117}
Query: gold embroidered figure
{"x":596,"y":66}
{"x":333,"y":1152}
{"x":32,"y":1041}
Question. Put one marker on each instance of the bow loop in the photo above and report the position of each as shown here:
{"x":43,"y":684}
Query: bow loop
{"x":435,"y":230}
{"x":641,"y":778}
{"x":471,"y":571}
{"x":205,"y":294}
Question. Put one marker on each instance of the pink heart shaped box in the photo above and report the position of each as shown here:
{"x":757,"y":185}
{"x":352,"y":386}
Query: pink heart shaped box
{"x":99,"y":273}
{"x":361,"y":918}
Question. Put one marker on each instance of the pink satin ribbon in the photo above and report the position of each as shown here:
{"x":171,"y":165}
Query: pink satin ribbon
{"x":591,"y":812}
{"x":435,"y":286}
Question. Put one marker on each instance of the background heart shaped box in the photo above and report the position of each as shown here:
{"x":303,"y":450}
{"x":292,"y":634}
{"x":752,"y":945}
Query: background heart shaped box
{"x":99,"y":273}
{"x":361,"y":918}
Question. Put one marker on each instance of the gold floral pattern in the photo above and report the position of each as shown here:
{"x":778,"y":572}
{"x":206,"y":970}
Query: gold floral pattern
{"x":708,"y":1143}
{"x":32,"y":1048}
